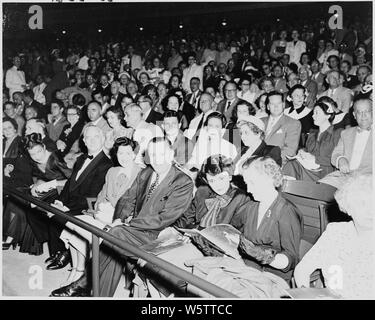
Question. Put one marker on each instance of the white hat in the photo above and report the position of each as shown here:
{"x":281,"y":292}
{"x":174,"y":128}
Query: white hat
{"x":254,"y":120}
{"x":124,"y":73}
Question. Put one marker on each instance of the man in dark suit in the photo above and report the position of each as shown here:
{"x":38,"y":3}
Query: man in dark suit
{"x":193,"y":97}
{"x":28,"y":99}
{"x":158,"y":197}
{"x":58,"y":82}
{"x":149,"y":115}
{"x":86,"y":181}
{"x":104,"y":87}
{"x":231,"y":100}
{"x":182,"y":146}
{"x":117,"y":96}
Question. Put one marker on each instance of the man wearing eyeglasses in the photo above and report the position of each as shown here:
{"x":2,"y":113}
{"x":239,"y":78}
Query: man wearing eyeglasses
{"x":231,"y":100}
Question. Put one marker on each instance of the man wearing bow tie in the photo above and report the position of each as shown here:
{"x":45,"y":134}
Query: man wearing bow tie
{"x":353,"y":153}
{"x":158,"y":197}
{"x":86,"y":181}
{"x":15,"y":78}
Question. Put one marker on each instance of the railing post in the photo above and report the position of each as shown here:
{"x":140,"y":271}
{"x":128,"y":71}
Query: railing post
{"x":95,"y":265}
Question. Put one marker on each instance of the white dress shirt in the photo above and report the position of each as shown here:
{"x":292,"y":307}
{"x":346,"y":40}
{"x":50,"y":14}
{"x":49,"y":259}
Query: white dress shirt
{"x":14,"y":80}
{"x":85,"y":164}
{"x":204,"y":149}
{"x":193,"y":127}
{"x":271,"y":122}
{"x":38,"y":93}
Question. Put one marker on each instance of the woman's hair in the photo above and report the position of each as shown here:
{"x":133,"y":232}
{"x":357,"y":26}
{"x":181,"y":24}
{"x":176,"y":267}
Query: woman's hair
{"x":267,"y":166}
{"x":147,"y":88}
{"x":172,"y":114}
{"x":58,"y":102}
{"x":328,"y":100}
{"x":12,"y":121}
{"x":143,"y":72}
{"x":254,"y":128}
{"x":123,"y":142}
{"x":304,"y":54}
{"x":166,"y":99}
{"x":117,"y":111}
{"x":327,"y":110}
{"x":217,"y":115}
{"x":215,"y":165}
{"x":170,"y":80}
{"x":257,"y":101}
{"x":354,"y":196}
{"x":250,"y":108}
{"x":79,"y":100}
{"x":296,"y":87}
{"x":32,"y":140}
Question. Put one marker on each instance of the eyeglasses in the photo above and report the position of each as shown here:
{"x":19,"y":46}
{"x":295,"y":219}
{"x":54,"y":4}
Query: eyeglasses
{"x":230,"y":90}
{"x":71,"y":114}
{"x":245,"y":83}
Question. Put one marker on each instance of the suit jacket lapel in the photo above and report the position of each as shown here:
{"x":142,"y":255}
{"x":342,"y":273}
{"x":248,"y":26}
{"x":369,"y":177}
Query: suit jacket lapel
{"x":142,"y":188}
{"x":160,"y":190}
{"x":277,"y":125}
{"x":87,"y":170}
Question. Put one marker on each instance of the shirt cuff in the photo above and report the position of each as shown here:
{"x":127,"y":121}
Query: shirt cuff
{"x":338,"y":159}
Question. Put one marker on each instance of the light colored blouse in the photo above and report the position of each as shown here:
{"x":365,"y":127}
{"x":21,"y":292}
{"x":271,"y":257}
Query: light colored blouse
{"x":346,"y":261}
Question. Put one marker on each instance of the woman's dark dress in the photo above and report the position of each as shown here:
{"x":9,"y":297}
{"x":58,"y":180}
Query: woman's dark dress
{"x":281,"y":229}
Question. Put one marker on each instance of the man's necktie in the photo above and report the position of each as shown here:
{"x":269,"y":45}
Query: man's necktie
{"x":87,"y":156}
{"x":228,"y":105}
{"x":193,"y":99}
{"x":152,"y":188}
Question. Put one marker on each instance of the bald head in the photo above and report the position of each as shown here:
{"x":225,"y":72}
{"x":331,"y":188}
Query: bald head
{"x":206,"y":102}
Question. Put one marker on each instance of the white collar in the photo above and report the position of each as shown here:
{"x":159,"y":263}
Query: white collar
{"x":96,"y":121}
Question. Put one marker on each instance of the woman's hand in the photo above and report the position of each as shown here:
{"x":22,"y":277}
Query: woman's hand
{"x":260,"y":254}
{"x":60,"y":145}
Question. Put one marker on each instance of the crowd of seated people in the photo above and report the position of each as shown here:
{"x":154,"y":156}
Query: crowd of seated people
{"x":191,"y":138}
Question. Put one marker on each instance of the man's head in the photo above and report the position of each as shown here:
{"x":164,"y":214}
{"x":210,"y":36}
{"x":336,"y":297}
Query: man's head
{"x":133,"y":115}
{"x":221,"y":46}
{"x":131,"y":49}
{"x":191,"y":59}
{"x":194,"y":84}
{"x":94,"y":110}
{"x":10,"y":109}
{"x":17,"y":62}
{"x":363,"y":113}
{"x":315,"y":66}
{"x":230,"y":90}
{"x":115,"y":87}
{"x":333,"y":62}
{"x":333,"y":79}
{"x":30,"y":113}
{"x":104,"y":80}
{"x":18,"y":98}
{"x":132,"y":88}
{"x":161,"y":154}
{"x":275,"y":103}
{"x":145,"y":102}
{"x":345,"y":66}
{"x":362,"y":72}
{"x":57,"y":108}
{"x":304,"y":73}
{"x":295,"y":35}
{"x":93,"y":137}
{"x":266,"y":68}
{"x":171,"y":123}
{"x":285,"y":59}
{"x":277,"y":72}
{"x":206,"y":102}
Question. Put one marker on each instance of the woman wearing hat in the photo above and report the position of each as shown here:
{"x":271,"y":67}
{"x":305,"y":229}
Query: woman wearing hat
{"x":252,"y":135}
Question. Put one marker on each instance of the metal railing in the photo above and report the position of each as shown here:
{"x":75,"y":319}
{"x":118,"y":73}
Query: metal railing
{"x":122,"y":247}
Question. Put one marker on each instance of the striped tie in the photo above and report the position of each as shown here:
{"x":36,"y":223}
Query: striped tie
{"x":152,"y":187}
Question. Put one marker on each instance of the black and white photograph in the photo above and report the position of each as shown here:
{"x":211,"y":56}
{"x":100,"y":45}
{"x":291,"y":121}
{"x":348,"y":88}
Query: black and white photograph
{"x":187,"y":151}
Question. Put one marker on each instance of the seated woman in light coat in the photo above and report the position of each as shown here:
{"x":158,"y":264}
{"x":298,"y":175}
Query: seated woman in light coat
{"x":118,"y":180}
